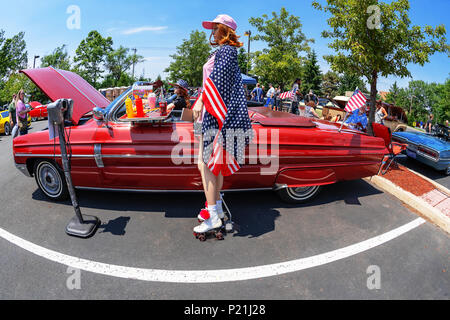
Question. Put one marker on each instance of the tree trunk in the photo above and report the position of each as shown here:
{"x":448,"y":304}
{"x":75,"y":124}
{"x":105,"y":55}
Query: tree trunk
{"x":373,"y":97}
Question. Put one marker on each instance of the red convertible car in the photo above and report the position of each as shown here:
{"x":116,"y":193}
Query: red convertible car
{"x":39,"y":111}
{"x":292,"y":155}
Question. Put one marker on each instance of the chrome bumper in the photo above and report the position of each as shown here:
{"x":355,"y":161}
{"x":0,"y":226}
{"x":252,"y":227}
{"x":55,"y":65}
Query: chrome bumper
{"x":23,"y":168}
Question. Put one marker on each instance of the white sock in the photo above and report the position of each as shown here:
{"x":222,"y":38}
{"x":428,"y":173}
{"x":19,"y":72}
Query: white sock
{"x":212,"y":209}
{"x":219,"y":206}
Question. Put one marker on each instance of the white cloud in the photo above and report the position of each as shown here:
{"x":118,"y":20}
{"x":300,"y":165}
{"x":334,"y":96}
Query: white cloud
{"x":143,"y":29}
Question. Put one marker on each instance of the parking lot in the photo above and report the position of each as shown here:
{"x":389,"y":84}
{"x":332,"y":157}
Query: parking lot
{"x":352,"y":242}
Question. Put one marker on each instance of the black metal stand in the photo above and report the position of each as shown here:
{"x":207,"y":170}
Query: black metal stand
{"x":78,"y":227}
{"x":229,"y":224}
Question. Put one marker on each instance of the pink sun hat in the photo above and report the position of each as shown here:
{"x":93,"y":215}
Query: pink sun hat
{"x":223,"y":19}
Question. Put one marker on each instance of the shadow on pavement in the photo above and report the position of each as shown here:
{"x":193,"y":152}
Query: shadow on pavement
{"x":254,"y":212}
{"x":115,"y":227}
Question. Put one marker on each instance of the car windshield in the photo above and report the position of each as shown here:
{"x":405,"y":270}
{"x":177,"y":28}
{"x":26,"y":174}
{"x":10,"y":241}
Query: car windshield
{"x":4,"y":114}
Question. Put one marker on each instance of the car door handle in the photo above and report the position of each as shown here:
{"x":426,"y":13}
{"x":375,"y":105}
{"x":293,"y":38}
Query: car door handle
{"x":98,"y":155}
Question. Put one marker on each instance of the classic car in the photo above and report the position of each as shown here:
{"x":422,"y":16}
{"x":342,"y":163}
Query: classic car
{"x":431,"y":149}
{"x":292,"y":155}
{"x":39,"y":111}
{"x":396,"y":119}
{"x":5,"y":126}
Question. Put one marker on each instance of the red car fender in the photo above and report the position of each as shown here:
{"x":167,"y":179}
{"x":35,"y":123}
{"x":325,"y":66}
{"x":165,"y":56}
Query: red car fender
{"x":306,"y":177}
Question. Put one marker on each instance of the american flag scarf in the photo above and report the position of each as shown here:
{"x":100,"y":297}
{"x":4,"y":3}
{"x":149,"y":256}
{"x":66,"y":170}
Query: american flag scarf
{"x":226,"y":128}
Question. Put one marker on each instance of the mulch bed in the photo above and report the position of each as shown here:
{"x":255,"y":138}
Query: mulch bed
{"x":407,"y":180}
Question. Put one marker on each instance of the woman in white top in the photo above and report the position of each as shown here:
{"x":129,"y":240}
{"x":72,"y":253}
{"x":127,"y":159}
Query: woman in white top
{"x":380,"y":114}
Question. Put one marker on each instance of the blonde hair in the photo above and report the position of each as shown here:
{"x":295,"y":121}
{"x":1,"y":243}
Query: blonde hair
{"x":18,"y":95}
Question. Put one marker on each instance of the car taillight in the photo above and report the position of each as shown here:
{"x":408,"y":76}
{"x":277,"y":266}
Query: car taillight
{"x":428,"y":152}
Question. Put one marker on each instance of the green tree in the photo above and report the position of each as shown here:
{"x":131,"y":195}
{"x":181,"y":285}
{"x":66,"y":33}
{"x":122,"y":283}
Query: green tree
{"x":330,"y":84}
{"x":19,"y":81}
{"x":118,"y":62}
{"x":242,"y":59}
{"x":280,"y":62}
{"x":58,"y":59}
{"x":443,"y":106}
{"x":349,"y":82}
{"x":189,"y":59}
{"x":91,"y":55}
{"x":311,"y":75}
{"x":373,"y":38}
{"x":13,"y":55}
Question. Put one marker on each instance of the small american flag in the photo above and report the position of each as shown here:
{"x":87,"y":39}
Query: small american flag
{"x":356,"y":101}
{"x":287,"y":95}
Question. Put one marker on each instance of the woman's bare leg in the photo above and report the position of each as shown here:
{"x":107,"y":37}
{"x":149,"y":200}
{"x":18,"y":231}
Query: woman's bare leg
{"x":209,"y":180}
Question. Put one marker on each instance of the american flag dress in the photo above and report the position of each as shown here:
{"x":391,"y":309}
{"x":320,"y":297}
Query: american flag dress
{"x":226,"y":127}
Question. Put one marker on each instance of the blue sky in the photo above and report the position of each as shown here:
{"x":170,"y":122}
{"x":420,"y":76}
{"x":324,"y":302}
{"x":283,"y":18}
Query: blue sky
{"x":155,"y":28}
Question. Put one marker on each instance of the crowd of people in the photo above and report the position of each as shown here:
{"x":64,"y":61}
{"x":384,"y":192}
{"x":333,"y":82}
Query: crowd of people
{"x":18,"y":114}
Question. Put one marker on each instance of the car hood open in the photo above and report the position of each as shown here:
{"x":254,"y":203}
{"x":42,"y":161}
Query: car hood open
{"x":58,"y":84}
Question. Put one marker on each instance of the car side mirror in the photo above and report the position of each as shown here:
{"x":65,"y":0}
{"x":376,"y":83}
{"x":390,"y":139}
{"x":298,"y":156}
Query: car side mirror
{"x":100,"y":116}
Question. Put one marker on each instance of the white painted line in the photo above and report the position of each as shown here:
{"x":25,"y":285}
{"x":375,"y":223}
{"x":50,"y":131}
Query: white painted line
{"x":210,"y":276}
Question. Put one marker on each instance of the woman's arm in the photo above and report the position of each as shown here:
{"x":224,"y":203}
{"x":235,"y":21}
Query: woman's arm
{"x":198,"y":108}
{"x":384,"y":112}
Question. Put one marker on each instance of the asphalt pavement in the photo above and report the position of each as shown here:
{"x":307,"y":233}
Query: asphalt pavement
{"x":388,"y":253}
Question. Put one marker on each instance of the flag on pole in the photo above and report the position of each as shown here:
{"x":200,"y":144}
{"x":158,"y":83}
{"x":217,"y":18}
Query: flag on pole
{"x":356,"y":101}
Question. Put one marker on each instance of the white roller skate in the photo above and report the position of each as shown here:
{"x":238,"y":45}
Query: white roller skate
{"x":212,"y":225}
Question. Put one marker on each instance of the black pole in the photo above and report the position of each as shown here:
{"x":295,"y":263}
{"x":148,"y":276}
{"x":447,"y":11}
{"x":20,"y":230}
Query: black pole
{"x":65,"y":162}
{"x":248,"y":54}
{"x":77,"y":226}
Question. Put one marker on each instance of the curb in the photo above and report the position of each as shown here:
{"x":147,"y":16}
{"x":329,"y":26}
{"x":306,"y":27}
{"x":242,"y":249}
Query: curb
{"x":427,"y":211}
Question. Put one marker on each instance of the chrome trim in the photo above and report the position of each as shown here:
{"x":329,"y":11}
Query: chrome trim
{"x":98,"y":155}
{"x":51,"y":155}
{"x":164,"y":191}
{"x":420,"y":153}
{"x":278,"y":186}
{"x":145,"y":156}
{"x":23,"y":168}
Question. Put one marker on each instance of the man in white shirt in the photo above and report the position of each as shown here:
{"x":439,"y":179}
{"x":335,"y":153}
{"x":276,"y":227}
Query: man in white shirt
{"x":269,"y":95}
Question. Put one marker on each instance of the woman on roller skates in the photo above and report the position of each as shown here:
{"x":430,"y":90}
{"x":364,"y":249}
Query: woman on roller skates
{"x":221,"y":113}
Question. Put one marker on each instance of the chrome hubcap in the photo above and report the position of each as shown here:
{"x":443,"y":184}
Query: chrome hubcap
{"x":301,"y":193}
{"x":50,"y":180}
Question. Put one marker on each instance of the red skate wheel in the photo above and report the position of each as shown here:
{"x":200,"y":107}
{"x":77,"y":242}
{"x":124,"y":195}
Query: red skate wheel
{"x":219,"y":236}
{"x":202,"y":237}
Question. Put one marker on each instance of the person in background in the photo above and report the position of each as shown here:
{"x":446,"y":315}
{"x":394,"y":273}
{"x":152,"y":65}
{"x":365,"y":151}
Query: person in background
{"x":269,"y":95}
{"x":311,"y":97}
{"x":277,"y":100}
{"x":12,"y":117}
{"x":182,"y":97}
{"x":22,"y":113}
{"x":257,"y":94}
{"x":380,"y":114}
{"x":429,"y":124}
{"x":308,"y":110}
{"x":297,"y":95}
{"x":246,"y":92}
{"x":358,"y":119}
{"x":446,"y":123}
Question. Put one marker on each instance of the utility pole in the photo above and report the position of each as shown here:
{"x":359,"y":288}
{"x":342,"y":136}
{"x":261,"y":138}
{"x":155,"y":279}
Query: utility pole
{"x":34,"y":62}
{"x":134,"y":59}
{"x":410,"y":105}
{"x":248,"y":33}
